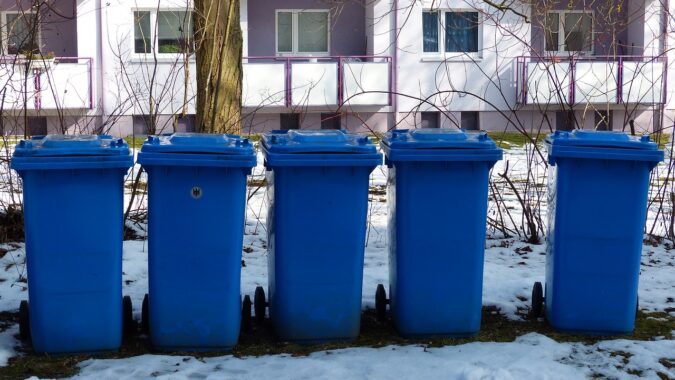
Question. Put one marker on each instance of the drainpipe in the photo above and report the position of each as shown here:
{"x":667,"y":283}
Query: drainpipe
{"x":664,"y":49}
{"x":99,"y":57}
{"x":394,"y":85}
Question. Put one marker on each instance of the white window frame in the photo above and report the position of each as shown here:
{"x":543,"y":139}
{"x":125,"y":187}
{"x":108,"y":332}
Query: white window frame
{"x":154,"y":32}
{"x":561,"y":32}
{"x":441,"y":54}
{"x":5,"y":35}
{"x":294,"y":32}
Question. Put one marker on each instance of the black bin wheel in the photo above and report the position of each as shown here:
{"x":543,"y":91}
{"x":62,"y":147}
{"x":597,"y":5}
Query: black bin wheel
{"x":381,"y":303}
{"x":246,"y":307}
{"x":537,"y":300}
{"x":128,"y":323}
{"x":145,"y":315}
{"x":24,"y":321}
{"x":259,"y":304}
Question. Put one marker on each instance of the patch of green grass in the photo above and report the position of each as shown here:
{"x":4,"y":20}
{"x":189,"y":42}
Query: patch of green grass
{"x":662,"y":139}
{"x":135,"y":142}
{"x":141,"y":186}
{"x":253,"y":137}
{"x":374,"y":138}
{"x":257,"y":182}
{"x":260,"y":341}
{"x":506,"y":140}
{"x":10,"y":140}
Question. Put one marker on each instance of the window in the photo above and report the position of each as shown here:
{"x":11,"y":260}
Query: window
{"x":169,"y":32}
{"x":21,"y":33}
{"x":185,"y":123}
{"x":603,"y":120}
{"x":331,"y":121}
{"x":302,"y":32}
{"x":470,"y":121}
{"x":289,"y":121}
{"x":37,"y":126}
{"x":565,"y":120}
{"x":142,"y":41}
{"x":569,"y":31}
{"x":141,"y":124}
{"x":459,"y":31}
{"x":431,"y":119}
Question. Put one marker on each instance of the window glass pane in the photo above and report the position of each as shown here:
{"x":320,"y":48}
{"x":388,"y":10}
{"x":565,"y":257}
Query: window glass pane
{"x":331,"y":121}
{"x":289,"y":121}
{"x":461,"y":32}
{"x":285,"y":31}
{"x":430,"y":119}
{"x":470,"y":120}
{"x":578,"y":31}
{"x":37,"y":126}
{"x":174,"y":32}
{"x":142,"y":42}
{"x":313,"y":32}
{"x":603,"y":120}
{"x":565,"y":120}
{"x":185,"y":123}
{"x":22,"y":36}
{"x":142,"y":124}
{"x":551,"y":26}
{"x":430,"y":31}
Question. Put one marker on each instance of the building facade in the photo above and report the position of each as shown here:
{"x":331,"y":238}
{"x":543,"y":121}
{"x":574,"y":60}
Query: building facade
{"x":127,"y":67}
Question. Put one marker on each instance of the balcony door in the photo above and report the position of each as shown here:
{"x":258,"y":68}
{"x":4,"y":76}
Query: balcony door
{"x":21,"y":33}
{"x":569,"y":31}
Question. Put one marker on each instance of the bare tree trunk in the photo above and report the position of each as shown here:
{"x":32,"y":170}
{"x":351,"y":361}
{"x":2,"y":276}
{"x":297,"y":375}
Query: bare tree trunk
{"x":219,"y":46}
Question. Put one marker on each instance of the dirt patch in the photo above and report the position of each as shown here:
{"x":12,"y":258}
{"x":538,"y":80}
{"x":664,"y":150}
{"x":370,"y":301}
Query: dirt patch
{"x":11,"y":225}
{"x":260,"y":341}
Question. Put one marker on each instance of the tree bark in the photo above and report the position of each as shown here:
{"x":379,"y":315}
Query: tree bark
{"x":219,"y":70}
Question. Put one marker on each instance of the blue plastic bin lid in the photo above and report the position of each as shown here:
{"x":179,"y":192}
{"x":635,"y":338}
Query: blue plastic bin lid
{"x":437,"y":138}
{"x":198,"y":143}
{"x":317,"y":141}
{"x":601,"y":139}
{"x":71,"y":145}
{"x":602,"y":145}
{"x":439,"y":145}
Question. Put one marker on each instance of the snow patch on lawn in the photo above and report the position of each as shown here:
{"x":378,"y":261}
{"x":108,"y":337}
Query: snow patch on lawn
{"x":532,"y":356}
{"x":511,"y":268}
{"x":7,"y":344}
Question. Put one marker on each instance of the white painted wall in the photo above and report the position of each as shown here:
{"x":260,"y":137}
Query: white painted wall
{"x":491,"y":76}
{"x":89,"y":37}
{"x":122,"y":79}
{"x":380,"y":30}
{"x":132,"y":81}
{"x":669,"y":118}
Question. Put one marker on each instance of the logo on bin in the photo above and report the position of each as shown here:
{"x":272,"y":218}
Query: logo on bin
{"x":196,"y":192}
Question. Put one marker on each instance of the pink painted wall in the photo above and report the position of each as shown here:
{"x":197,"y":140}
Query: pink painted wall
{"x":57,"y":22}
{"x":610,"y":25}
{"x":347,"y":34}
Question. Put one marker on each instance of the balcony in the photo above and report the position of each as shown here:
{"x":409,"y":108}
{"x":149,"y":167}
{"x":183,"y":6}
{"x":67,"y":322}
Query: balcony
{"x":52,"y":84}
{"x":290,"y":82}
{"x":591,"y":80}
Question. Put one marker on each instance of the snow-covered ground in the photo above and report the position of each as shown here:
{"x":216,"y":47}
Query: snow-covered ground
{"x":511,"y":267}
{"x":532,"y":356}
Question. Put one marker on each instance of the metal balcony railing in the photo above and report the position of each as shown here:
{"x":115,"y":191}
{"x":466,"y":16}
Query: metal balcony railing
{"x":577,"y":80}
{"x":44,"y":84}
{"x":317,"y":81}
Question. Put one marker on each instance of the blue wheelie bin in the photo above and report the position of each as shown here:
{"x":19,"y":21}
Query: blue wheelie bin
{"x":438,"y":195}
{"x":598,"y":185}
{"x":73,"y":213}
{"x":318,"y":203}
{"x":196,"y":211}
